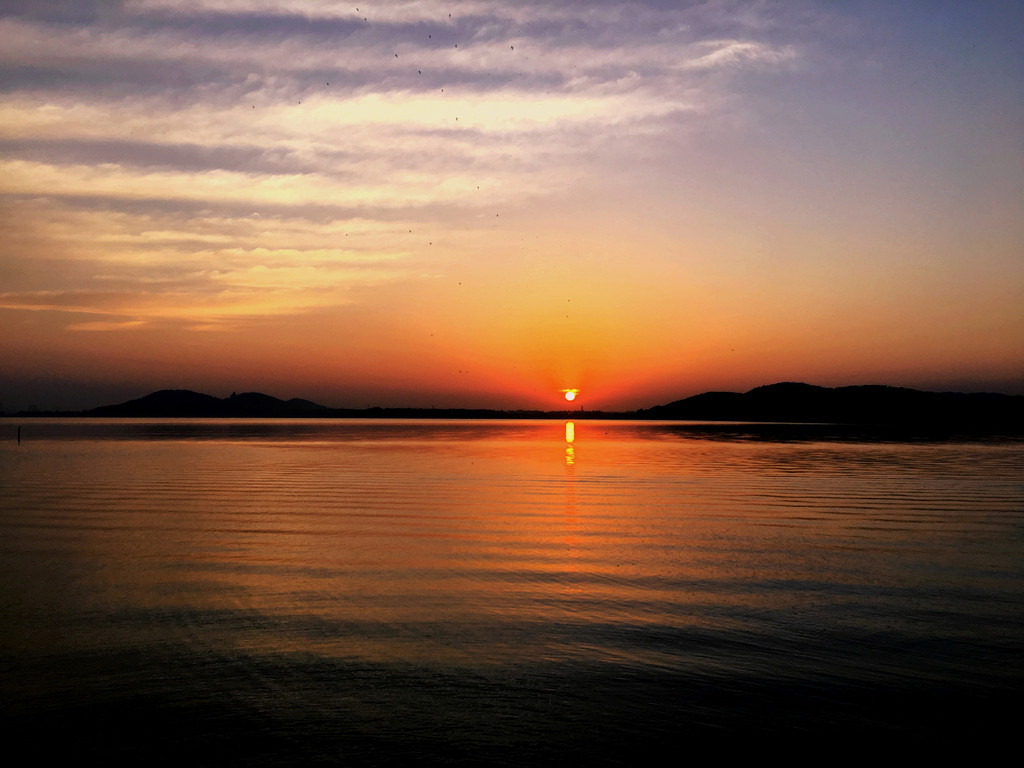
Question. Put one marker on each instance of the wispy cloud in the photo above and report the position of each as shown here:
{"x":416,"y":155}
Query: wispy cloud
{"x":272,"y":106}
{"x":736,"y":53}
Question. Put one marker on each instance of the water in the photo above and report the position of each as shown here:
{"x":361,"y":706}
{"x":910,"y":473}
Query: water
{"x":513,"y":592}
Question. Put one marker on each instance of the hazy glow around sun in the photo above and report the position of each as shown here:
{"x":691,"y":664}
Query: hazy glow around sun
{"x":570,"y":394}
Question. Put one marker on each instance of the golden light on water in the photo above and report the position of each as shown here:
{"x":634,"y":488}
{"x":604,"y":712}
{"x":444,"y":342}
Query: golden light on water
{"x":570,"y":449}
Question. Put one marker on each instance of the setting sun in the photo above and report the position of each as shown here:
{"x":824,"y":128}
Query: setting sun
{"x":217,"y":222}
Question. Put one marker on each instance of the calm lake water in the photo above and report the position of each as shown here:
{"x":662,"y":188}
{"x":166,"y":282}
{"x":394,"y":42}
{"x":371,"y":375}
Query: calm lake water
{"x":514,"y":592}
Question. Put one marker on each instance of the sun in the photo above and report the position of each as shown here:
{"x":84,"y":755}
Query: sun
{"x":570,"y":394}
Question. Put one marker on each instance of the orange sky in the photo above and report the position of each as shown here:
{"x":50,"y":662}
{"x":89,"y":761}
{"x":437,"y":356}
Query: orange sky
{"x":642,"y":201}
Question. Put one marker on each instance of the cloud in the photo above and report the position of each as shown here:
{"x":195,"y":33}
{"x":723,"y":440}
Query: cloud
{"x":735,"y":53}
{"x":106,"y":325}
{"x":136,"y":138}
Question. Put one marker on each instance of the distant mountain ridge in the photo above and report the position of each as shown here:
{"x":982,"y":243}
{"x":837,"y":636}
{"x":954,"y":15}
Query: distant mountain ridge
{"x":783,"y":402}
{"x":186,"y":403}
{"x":868,"y":404}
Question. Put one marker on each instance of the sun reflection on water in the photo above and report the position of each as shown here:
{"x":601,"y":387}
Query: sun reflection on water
{"x":572,"y":586}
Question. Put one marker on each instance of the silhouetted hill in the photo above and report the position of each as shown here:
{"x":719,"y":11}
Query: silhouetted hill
{"x":258,"y":404}
{"x":873,"y":404}
{"x":185,"y":403}
{"x":166,"y":402}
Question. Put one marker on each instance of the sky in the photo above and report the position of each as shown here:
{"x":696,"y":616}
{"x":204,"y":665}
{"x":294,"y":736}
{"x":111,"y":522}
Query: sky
{"x":485,"y":203}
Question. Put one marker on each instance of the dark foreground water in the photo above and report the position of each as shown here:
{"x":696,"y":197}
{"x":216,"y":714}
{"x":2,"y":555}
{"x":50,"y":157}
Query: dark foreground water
{"x":520,"y":593}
